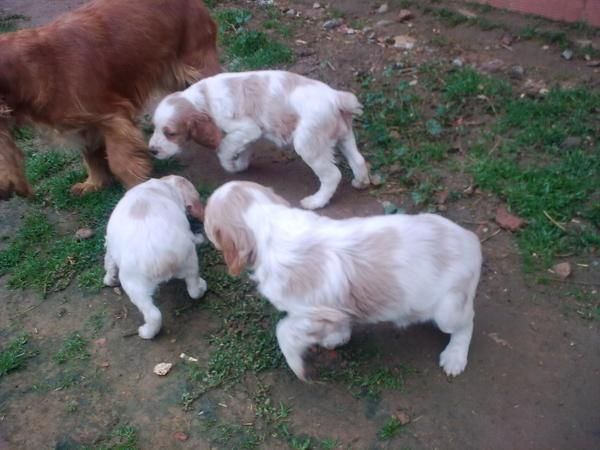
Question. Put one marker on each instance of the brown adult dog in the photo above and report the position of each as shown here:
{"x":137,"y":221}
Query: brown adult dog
{"x":90,"y":71}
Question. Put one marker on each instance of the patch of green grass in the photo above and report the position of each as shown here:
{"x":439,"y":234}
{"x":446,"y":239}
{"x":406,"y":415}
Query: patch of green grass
{"x":14,"y":354}
{"x":540,"y":178}
{"x":362,"y":377}
{"x":247,"y":49}
{"x":74,"y":348}
{"x":390,"y":429}
{"x":8,"y":23}
{"x":96,"y":322}
{"x":466,"y":85}
{"x":91,"y":279}
{"x":246,"y":342}
{"x":123,"y":437}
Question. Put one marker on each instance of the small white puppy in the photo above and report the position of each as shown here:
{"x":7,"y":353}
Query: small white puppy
{"x":328,"y":274}
{"x":231,"y":110}
{"x":149,"y":241}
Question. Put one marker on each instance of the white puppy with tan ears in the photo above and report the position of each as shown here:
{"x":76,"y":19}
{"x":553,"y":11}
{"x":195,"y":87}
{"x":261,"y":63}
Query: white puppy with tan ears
{"x":149,"y":241}
{"x":229,"y":111}
{"x":329,"y":274}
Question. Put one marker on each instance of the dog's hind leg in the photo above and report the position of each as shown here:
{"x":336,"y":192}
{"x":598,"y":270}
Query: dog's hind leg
{"x":96,"y":164}
{"x":196,"y":285}
{"x":140,"y":293}
{"x":355,"y":160}
{"x":111,"y":278}
{"x":128,"y":157}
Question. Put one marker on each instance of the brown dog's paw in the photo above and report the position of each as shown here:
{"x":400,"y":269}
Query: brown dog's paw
{"x":8,"y":188}
{"x":79,"y":189}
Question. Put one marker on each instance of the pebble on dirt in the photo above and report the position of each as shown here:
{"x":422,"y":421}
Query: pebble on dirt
{"x":405,"y":42}
{"x":162,"y":369}
{"x":383,"y":8}
{"x":562,"y":270}
{"x":567,"y":54}
{"x":402,"y":417}
{"x":181,"y":436}
{"x":84,"y":233}
{"x":508,"y":221}
{"x":332,"y":23}
{"x":492,"y":66}
{"x":404,"y":15}
{"x":517,"y":72}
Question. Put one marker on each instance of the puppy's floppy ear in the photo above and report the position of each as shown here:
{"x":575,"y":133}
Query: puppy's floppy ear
{"x":238,"y":249}
{"x":203,"y":130}
{"x":196,"y":210}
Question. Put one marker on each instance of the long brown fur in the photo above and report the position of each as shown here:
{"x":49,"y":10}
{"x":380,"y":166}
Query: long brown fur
{"x":91,"y":70}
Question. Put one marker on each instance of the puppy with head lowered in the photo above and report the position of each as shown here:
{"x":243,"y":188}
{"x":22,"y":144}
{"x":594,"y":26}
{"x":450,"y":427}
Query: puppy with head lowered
{"x":329,"y":274}
{"x":227,"y":112}
{"x":149,"y":241}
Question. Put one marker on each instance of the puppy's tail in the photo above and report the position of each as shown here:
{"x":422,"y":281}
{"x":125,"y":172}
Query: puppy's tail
{"x":348,"y":103}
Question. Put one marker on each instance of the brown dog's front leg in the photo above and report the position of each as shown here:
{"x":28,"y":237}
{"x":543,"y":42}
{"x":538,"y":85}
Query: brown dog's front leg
{"x":12,"y":168}
{"x":128,"y":156}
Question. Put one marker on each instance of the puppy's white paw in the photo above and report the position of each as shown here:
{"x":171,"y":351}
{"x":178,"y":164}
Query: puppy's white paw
{"x":110,"y":281}
{"x":198,"y":290}
{"x":362,"y":183}
{"x":453,"y":361}
{"x":313,"y":202}
{"x":147,"y":332}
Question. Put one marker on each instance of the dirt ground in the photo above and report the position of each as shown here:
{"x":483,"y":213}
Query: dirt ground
{"x":532,"y":381}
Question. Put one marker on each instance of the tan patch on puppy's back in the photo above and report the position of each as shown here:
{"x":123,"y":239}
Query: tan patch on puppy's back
{"x":307,"y":275}
{"x":371,"y":270}
{"x":248,"y":94}
{"x":139,"y":210}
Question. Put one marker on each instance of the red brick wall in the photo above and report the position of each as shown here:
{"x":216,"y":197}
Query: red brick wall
{"x":565,"y":10}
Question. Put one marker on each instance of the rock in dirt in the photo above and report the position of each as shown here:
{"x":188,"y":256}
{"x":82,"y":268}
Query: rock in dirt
{"x":507,"y":39}
{"x":404,"y":15}
{"x":562,"y":270}
{"x":105,"y":365}
{"x":332,"y":23}
{"x":100,"y":342}
{"x":442,"y":196}
{"x":84,"y":233}
{"x":467,"y":13}
{"x":593,"y":63}
{"x":458,"y":62}
{"x":404,"y":42}
{"x":316,"y":5}
{"x":492,"y":66}
{"x":376,"y":179}
{"x":402,"y":417}
{"x":533,"y":88}
{"x":383,"y":23}
{"x":383,"y":9}
{"x":180,"y":436}
{"x":567,"y":54}
{"x":517,"y":72}
{"x":290,"y":12}
{"x":162,"y":369}
{"x":389,"y":207}
{"x":508,"y":221}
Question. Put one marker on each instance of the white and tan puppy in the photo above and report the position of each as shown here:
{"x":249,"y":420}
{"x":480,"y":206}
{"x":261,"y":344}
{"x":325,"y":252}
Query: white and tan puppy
{"x":149,"y":241}
{"x":329,"y":274}
{"x":229,"y":111}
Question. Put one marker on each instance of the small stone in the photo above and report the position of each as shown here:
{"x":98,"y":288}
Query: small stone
{"x":458,"y":62}
{"x":162,"y":369}
{"x":383,"y":23}
{"x":332,"y":23}
{"x":507,"y":39}
{"x":545,"y":47}
{"x":467,"y":13}
{"x":534,"y":88}
{"x":492,"y":66}
{"x":84,"y":233}
{"x":376,"y":179}
{"x":180,"y":436}
{"x":508,"y":221}
{"x":117,"y":290}
{"x":571,"y":142}
{"x":100,"y":342}
{"x":562,"y":270}
{"x":316,"y":5}
{"x":567,"y":54}
{"x":402,"y":417}
{"x":517,"y":72}
{"x":366,"y":30}
{"x":593,"y":63}
{"x":383,"y":9}
{"x":544,"y":91}
{"x":290,"y":12}
{"x":389,"y":207}
{"x":404,"y":42}
{"x":105,"y":364}
{"x":442,"y":196}
{"x":404,"y":15}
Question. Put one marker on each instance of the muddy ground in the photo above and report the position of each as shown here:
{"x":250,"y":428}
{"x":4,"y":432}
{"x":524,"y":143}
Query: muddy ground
{"x":532,"y":381}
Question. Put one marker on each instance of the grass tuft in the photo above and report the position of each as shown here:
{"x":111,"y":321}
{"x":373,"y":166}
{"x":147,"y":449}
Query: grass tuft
{"x":74,"y":348}
{"x":14,"y":355}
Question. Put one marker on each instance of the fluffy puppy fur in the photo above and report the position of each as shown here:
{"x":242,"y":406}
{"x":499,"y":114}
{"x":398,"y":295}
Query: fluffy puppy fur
{"x":149,"y":241}
{"x":90,"y":71}
{"x":229,"y":111}
{"x":329,"y":274}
